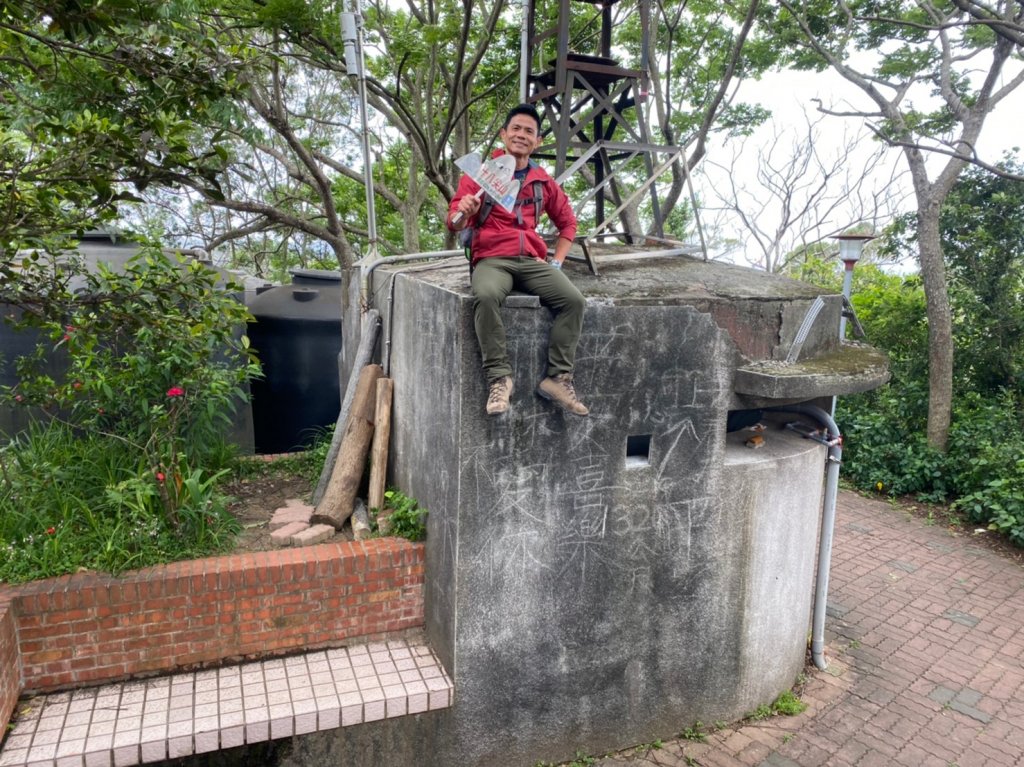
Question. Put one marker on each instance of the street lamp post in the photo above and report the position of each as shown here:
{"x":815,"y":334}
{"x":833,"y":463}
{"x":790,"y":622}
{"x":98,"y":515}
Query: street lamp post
{"x":850,"y":248}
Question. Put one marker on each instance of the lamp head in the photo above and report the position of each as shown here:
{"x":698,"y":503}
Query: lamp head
{"x":852,"y":245}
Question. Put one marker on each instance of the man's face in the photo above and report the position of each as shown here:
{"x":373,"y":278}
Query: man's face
{"x":521,"y":136}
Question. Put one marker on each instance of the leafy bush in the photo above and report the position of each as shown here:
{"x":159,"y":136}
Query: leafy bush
{"x":885,"y":447}
{"x":982,"y":471}
{"x":405,"y":518}
{"x":1000,"y":503}
{"x":987,"y":456}
{"x":131,"y":436}
{"x":884,"y":444}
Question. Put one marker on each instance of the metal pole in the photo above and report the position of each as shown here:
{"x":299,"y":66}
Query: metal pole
{"x":847,"y":289}
{"x":834,"y":459}
{"x":355,"y":63}
{"x":524,"y":54}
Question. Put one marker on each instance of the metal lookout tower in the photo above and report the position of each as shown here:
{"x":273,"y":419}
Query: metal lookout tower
{"x":594,"y":109}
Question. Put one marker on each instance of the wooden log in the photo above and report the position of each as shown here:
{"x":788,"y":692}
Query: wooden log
{"x":339,"y":498}
{"x":361,"y":529}
{"x":381,"y":440}
{"x":367,"y":343}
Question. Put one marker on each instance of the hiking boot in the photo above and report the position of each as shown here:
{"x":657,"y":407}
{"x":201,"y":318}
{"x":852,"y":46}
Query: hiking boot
{"x":559,"y":389}
{"x":498,"y":395}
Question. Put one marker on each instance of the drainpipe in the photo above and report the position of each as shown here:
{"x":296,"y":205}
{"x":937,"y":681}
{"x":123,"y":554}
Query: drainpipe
{"x":834,"y":442}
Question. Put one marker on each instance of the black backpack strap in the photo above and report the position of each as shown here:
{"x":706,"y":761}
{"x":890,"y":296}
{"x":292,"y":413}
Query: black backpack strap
{"x":537,"y":199}
{"x":486,"y":206}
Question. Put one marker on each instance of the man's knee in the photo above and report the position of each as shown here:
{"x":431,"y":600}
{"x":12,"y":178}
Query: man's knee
{"x":575,"y":302}
{"x":488,"y":298}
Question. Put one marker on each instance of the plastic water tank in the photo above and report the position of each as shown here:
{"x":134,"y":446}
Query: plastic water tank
{"x":297,"y":337}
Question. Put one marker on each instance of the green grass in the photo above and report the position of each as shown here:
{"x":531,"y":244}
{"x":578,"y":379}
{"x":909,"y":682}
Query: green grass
{"x":787,"y":704}
{"x":74,"y":501}
{"x":694,"y":732}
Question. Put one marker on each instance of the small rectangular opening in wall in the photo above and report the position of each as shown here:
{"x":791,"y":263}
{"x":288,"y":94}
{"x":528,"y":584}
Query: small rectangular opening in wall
{"x":638,"y":450}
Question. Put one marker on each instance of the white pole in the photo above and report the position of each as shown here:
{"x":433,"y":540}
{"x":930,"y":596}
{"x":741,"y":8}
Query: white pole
{"x":355,"y":63}
{"x":524,"y":54}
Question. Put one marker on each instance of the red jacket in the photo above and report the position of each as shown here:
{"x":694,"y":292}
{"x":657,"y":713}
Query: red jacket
{"x":515,"y":234}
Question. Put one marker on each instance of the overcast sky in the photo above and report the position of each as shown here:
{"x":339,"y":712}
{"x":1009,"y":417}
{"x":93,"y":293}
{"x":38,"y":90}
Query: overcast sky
{"x":788,"y":95}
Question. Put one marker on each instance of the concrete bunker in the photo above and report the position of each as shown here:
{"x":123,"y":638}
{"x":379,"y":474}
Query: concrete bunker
{"x":605,"y":581}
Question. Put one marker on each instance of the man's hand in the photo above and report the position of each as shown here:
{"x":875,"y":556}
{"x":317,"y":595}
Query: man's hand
{"x":465,"y":210}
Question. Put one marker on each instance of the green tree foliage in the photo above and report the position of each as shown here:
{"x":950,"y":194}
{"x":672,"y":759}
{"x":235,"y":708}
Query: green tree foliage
{"x":236,"y":121}
{"x":982,"y":471}
{"x":982,"y":225}
{"x":695,"y":57}
{"x":930,"y":76}
{"x":983,"y":239}
{"x":97,"y":103}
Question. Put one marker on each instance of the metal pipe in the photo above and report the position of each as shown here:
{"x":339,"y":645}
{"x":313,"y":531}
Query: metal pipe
{"x":805,"y":328}
{"x":355,"y":56}
{"x":367,"y":342}
{"x":368,"y":273}
{"x":847,"y":290}
{"x":425,"y":256}
{"x":828,"y":521}
{"x":524,"y":54}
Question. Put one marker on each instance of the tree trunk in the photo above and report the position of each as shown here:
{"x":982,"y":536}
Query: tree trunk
{"x":940,"y":322}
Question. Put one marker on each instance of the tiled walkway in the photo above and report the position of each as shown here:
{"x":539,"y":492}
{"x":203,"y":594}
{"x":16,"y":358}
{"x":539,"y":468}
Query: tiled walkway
{"x":926,"y":669}
{"x":175,"y":716}
{"x":925,"y":644}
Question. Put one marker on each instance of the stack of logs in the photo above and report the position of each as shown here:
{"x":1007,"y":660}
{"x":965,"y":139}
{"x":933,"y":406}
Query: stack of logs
{"x":368,"y":420}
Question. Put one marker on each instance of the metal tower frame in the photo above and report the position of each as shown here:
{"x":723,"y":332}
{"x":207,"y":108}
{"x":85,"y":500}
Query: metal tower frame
{"x":594,"y":110}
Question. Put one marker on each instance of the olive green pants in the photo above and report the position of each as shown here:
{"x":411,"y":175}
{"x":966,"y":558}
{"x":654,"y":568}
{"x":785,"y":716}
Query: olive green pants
{"x":493,"y":279}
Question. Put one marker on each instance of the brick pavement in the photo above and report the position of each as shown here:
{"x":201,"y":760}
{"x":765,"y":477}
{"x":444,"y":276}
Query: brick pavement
{"x":925,"y":653}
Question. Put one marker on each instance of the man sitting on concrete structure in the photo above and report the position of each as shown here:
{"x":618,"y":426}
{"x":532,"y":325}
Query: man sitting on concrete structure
{"x":507,"y":253}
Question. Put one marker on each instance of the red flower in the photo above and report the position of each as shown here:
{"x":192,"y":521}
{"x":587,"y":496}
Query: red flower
{"x":76,"y":385}
{"x":160,"y":476}
{"x":51,"y":530}
{"x":175,"y":391}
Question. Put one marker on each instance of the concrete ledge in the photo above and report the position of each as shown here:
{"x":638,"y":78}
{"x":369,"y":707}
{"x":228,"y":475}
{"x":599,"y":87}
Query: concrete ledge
{"x":177,"y":716}
{"x":851,"y":369}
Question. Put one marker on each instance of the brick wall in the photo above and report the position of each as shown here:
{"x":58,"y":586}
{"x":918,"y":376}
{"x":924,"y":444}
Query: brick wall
{"x":10,"y":669}
{"x":86,"y":628}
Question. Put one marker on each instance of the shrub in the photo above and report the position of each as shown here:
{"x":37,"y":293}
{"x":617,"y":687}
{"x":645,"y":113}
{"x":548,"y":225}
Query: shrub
{"x":884,"y":444}
{"x":405,"y":518}
{"x":982,"y":472}
{"x":155,"y":365}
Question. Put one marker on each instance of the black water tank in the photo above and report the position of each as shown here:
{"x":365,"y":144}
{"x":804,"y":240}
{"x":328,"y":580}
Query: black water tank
{"x":297,"y":336}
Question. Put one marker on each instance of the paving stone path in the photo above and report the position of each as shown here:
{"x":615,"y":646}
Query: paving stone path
{"x":926,"y":659}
